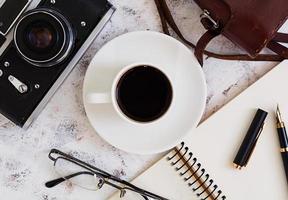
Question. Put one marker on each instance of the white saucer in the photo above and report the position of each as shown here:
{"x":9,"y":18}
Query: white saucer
{"x":188,"y":102}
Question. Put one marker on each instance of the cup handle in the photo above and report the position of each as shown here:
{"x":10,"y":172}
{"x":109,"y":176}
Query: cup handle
{"x":99,"y":98}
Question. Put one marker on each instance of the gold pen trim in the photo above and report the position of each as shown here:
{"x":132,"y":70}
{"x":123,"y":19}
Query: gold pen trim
{"x":280,"y":125}
{"x":237,"y":166}
{"x":284,"y":150}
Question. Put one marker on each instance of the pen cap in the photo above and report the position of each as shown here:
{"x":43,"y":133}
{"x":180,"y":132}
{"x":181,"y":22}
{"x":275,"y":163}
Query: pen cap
{"x":250,"y":140}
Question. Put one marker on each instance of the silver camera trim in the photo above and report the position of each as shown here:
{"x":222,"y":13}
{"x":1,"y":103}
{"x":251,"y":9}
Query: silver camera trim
{"x":70,"y":67}
{"x":2,"y":3}
{"x":15,"y":20}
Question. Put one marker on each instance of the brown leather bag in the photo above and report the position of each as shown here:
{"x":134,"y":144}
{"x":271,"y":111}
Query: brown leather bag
{"x":250,"y":24}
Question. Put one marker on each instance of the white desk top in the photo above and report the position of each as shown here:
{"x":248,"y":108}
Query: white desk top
{"x":24,"y":165}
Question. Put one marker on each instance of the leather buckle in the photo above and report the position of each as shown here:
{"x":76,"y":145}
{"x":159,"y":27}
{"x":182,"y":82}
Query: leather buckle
{"x":206,"y":15}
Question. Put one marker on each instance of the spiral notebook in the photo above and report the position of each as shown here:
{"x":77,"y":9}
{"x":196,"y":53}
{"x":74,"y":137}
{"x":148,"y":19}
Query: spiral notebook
{"x":201,"y":167}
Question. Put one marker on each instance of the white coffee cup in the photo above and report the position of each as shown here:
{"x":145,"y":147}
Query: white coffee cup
{"x":110,"y":97}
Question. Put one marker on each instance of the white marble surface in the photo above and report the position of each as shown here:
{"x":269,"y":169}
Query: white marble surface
{"x":24,"y":165}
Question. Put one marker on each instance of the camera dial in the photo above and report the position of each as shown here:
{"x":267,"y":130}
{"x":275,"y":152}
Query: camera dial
{"x":43,"y":37}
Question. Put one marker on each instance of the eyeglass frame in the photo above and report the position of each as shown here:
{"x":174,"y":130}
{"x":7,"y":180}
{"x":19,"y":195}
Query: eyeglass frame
{"x":101,"y":174}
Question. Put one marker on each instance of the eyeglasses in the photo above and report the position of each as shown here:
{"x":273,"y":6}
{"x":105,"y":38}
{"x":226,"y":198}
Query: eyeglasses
{"x":89,"y":177}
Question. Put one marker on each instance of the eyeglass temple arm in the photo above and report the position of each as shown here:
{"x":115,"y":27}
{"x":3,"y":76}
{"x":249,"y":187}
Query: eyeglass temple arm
{"x":104,"y":174}
{"x":136,"y":189}
{"x":56,"y":151}
{"x":57,"y":181}
{"x":143,"y":193}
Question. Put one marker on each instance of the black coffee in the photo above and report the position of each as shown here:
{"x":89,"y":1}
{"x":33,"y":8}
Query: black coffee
{"x":144,"y":93}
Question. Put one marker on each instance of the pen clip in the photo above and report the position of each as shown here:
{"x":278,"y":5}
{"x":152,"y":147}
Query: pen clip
{"x":254,"y":145}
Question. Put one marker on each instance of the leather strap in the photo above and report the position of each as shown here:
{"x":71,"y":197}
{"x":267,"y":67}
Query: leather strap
{"x":278,"y":48}
{"x":281,"y":37}
{"x":202,"y":44}
{"x":162,"y":17}
{"x":167,"y":19}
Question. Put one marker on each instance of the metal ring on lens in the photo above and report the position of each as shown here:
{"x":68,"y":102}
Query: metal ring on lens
{"x":68,"y":44}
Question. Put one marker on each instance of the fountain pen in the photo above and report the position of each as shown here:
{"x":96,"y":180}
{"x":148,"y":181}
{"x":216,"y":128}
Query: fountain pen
{"x":283,"y":140}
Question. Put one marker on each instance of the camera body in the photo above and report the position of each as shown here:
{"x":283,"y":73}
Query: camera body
{"x":47,"y":43}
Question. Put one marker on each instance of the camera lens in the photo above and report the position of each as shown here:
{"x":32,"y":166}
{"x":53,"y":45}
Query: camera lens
{"x":40,"y":37}
{"x":43,"y":37}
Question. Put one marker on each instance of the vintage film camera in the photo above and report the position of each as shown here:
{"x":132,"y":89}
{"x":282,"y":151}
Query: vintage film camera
{"x":41,"y":43}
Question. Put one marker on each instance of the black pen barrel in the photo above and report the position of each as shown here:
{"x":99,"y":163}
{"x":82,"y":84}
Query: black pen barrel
{"x":283,"y":139}
{"x":285,"y":161}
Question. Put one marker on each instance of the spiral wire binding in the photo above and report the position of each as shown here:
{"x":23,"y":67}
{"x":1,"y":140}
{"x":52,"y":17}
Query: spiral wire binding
{"x":206,"y":188}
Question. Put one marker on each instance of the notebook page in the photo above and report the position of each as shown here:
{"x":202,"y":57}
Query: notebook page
{"x":216,"y":141}
{"x":161,"y":179}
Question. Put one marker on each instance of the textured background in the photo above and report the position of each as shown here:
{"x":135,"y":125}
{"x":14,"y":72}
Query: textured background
{"x":24,"y":166}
